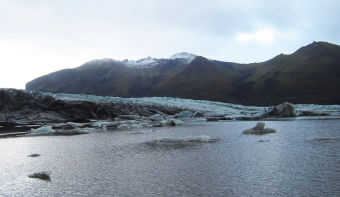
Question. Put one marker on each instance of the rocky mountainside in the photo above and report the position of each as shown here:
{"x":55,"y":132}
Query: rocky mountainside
{"x":309,"y":75}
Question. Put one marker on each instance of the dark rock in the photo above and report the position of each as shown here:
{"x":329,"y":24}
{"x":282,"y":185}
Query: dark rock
{"x":248,"y":118}
{"x":67,"y":127}
{"x":313,"y":113}
{"x":41,"y":175}
{"x":198,"y":114}
{"x":263,"y":140}
{"x":129,"y":117}
{"x":211,"y":119}
{"x":34,"y":155}
{"x":217,"y":118}
{"x":27,"y":107}
{"x":80,"y":120}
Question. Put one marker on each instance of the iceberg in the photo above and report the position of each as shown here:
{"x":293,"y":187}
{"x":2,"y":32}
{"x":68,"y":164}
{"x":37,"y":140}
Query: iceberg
{"x":259,"y":130}
{"x":48,"y":131}
{"x":44,"y":130}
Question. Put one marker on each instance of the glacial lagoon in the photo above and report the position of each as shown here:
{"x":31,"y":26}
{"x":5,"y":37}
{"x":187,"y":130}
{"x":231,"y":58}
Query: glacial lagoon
{"x":197,"y":159}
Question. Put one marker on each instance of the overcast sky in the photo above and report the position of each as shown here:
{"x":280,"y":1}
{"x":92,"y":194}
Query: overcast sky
{"x":41,"y":36}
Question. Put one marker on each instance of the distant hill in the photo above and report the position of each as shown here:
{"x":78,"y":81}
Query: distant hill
{"x":309,"y":75}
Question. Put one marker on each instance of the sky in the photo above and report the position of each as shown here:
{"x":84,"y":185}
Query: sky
{"x":38,"y":37}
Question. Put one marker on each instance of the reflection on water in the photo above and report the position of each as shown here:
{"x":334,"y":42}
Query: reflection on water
{"x":301,"y":159}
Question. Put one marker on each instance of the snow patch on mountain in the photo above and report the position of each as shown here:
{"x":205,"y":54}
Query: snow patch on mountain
{"x":147,"y":62}
{"x":142,"y":63}
{"x":187,"y":57}
{"x":101,"y":61}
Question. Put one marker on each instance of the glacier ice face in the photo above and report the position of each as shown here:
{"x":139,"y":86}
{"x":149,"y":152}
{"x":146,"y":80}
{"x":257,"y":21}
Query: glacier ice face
{"x":208,"y":108}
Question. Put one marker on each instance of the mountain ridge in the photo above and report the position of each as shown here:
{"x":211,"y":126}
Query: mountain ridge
{"x":308,"y":75}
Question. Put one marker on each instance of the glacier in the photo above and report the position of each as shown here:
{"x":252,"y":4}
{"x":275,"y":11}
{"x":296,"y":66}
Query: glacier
{"x":70,"y":114}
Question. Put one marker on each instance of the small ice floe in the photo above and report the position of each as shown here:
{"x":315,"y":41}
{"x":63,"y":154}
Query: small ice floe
{"x":263,"y":140}
{"x":129,"y":126}
{"x":34,"y":155}
{"x":326,"y":139}
{"x":41,"y":175}
{"x":201,"y":138}
{"x":144,"y":125}
{"x":199,"y":120}
{"x":157,"y":117}
{"x":44,"y":130}
{"x":144,"y":131}
{"x":259,"y":129}
{"x":48,"y":131}
{"x":183,"y":140}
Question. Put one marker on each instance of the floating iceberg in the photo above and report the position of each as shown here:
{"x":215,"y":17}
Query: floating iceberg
{"x":259,"y":130}
{"x":47,"y":131}
{"x":44,"y":130}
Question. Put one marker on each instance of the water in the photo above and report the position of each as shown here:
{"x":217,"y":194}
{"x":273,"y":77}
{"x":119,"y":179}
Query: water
{"x":287,"y":163}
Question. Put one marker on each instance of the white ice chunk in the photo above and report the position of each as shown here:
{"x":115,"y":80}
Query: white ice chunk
{"x":42,"y":130}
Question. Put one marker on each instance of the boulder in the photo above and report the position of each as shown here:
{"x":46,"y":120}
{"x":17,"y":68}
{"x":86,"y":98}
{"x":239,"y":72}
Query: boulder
{"x":41,"y":175}
{"x":259,"y":130}
{"x":34,"y":155}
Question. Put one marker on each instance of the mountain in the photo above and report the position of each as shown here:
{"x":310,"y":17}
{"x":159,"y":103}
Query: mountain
{"x":309,"y":75}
